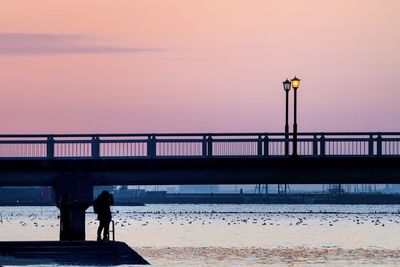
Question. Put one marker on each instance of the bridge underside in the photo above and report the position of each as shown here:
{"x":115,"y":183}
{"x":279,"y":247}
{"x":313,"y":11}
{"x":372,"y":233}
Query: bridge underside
{"x":170,"y":171}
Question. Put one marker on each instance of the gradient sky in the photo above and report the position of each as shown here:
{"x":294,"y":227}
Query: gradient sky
{"x":72,"y":66}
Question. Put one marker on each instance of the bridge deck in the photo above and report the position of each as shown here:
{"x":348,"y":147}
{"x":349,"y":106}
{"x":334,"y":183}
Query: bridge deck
{"x":169,"y":171}
{"x":201,"y":158}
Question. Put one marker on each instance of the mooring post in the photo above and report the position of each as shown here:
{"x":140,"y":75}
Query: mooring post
{"x":73,"y":195}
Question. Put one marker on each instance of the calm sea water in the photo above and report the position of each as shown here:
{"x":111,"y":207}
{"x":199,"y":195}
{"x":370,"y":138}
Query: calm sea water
{"x":236,"y":235}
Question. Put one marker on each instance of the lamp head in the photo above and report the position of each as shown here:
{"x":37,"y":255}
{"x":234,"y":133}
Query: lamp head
{"x":286,"y":85}
{"x":295,"y":82}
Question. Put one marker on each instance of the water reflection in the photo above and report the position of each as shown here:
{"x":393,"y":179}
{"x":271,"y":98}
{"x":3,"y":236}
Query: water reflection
{"x":297,"y":256}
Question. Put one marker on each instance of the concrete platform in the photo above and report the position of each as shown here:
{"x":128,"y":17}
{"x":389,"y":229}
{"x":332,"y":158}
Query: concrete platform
{"x":68,"y":252}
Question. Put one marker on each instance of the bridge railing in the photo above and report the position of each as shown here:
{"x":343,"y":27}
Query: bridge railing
{"x":198,"y":145}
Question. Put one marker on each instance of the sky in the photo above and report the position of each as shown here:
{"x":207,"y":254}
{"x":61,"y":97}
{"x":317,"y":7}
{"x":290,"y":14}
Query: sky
{"x":141,"y":66}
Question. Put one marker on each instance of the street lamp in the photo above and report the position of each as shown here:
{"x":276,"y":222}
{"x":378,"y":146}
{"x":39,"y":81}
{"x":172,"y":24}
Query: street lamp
{"x":286,"y":86}
{"x":295,"y":84}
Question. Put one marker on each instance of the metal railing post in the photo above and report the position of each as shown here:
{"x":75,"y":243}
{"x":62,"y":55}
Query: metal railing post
{"x":50,"y":147}
{"x":315,"y":145}
{"x":371,"y":145}
{"x":95,"y":147}
{"x":204,"y":146}
{"x":259,"y":146}
{"x":209,"y":146}
{"x":266,"y":146}
{"x":379,"y":145}
{"x":151,"y":146}
{"x":322,"y":145}
{"x":113,"y":231}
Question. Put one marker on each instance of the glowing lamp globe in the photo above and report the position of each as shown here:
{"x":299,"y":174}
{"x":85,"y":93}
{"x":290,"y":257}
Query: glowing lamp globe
{"x":295,"y":82}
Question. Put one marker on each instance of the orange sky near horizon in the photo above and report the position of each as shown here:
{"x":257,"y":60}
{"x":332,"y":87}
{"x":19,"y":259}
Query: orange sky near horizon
{"x":197,"y":66}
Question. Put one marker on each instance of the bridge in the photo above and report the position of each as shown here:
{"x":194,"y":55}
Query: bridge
{"x":202,"y":158}
{"x":76,"y":163}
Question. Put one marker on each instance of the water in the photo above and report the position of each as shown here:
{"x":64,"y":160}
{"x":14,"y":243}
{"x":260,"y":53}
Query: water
{"x":238,"y":235}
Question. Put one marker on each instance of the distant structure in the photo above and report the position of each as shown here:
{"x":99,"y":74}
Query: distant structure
{"x":261,"y":189}
{"x":199,"y":188}
{"x":264,"y":189}
{"x":352,"y":188}
{"x":392,"y":188}
{"x":283,"y":189}
{"x":122,"y":194}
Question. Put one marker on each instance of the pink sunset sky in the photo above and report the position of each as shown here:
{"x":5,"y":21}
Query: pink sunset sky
{"x":133,"y":66}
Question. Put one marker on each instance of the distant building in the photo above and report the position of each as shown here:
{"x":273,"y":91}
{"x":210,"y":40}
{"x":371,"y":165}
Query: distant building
{"x":392,"y":188}
{"x":198,"y":189}
{"x":171,"y":190}
{"x":122,"y":194}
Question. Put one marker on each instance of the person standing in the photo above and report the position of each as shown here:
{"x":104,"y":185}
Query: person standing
{"x":101,"y":207}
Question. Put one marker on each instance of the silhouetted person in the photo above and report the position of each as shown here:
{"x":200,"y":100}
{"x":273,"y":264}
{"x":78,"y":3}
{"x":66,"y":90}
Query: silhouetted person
{"x":65,"y":217}
{"x":101,"y":206}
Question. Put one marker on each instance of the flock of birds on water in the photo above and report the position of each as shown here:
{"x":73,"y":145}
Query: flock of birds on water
{"x":272,"y":219}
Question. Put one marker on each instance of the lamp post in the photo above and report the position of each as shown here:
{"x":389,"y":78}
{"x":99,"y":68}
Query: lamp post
{"x":286,"y":86}
{"x":295,"y":84}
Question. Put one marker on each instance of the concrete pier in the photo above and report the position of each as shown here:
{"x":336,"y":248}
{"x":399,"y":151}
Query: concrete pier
{"x":79,"y":189}
{"x":68,"y":252}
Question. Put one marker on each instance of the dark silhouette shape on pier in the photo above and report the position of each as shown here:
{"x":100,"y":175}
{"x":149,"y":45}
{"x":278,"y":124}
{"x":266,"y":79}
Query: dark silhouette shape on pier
{"x":101,"y":207}
{"x":65,"y":217}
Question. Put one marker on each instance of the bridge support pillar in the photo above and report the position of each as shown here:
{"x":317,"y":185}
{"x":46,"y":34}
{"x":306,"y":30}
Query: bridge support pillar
{"x":73,"y":195}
